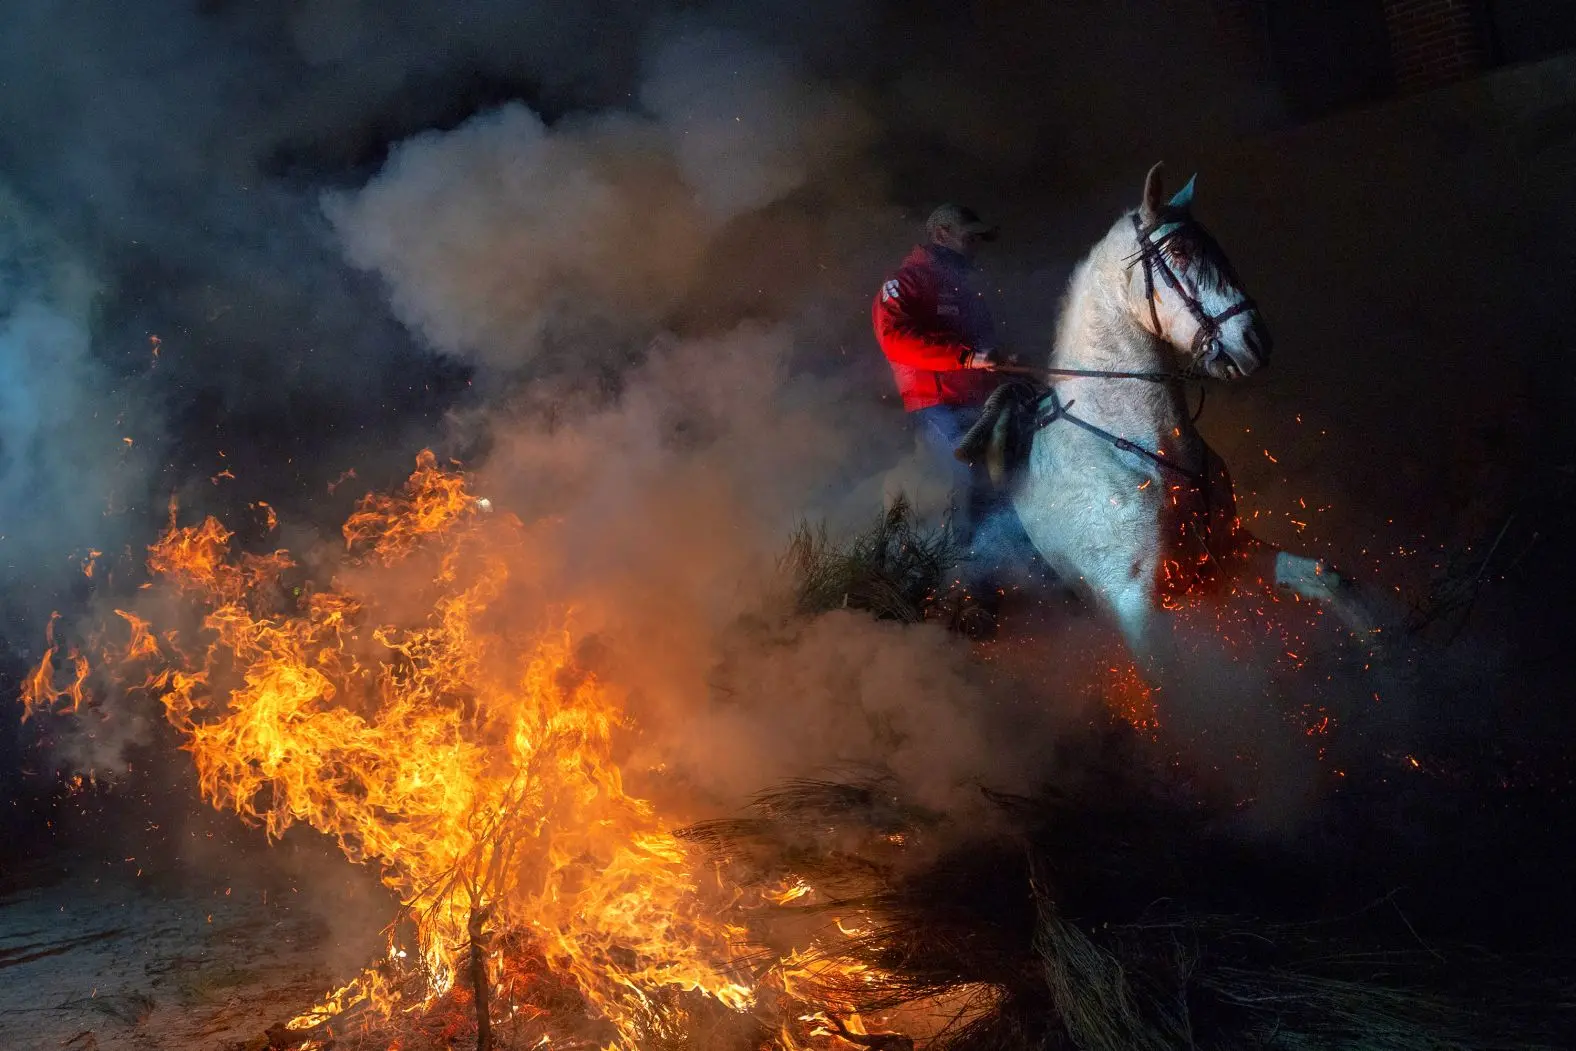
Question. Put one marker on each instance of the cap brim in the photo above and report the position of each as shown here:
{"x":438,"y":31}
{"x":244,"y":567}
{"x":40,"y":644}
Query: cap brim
{"x":984,"y":231}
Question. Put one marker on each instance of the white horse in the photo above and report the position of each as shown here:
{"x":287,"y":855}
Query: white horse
{"x":1121,"y":495}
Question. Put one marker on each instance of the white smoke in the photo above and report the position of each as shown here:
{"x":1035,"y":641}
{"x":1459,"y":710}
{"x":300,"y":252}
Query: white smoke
{"x":65,"y":467}
{"x":500,"y":240}
{"x":659,"y":518}
{"x":658,"y":512}
{"x":504,"y":240}
{"x":745,"y":128}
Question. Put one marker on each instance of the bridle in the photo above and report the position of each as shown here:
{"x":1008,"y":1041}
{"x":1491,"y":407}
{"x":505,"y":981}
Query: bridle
{"x":1206,"y":341}
{"x":1152,"y":254}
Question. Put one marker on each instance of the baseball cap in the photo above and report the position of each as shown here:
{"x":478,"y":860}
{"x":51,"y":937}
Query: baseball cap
{"x":962,"y":218}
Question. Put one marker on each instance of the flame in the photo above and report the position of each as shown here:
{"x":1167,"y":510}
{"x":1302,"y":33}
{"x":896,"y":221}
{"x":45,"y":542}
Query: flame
{"x":270,"y":517}
{"x":143,"y":645}
{"x":405,"y":710}
{"x":39,"y":691}
{"x":401,"y":712}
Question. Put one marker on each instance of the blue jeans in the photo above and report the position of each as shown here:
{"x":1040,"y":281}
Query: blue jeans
{"x":983,"y":525}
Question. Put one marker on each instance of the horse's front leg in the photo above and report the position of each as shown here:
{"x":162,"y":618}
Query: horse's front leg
{"x":1317,"y":580}
{"x":1278,"y":569}
{"x":1130,"y":592}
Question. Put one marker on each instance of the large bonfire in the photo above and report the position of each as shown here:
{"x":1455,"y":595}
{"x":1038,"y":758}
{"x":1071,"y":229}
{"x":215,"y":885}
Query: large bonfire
{"x":471,"y":759}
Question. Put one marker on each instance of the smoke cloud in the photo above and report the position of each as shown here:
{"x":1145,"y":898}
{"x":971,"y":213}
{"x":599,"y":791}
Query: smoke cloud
{"x":504,"y":241}
{"x":66,"y":470}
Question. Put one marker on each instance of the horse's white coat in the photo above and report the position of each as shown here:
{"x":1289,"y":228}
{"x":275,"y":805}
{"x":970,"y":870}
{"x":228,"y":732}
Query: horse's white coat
{"x":1108,"y":520}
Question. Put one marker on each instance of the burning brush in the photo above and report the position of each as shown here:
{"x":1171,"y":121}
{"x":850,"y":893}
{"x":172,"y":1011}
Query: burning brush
{"x":399,"y":711}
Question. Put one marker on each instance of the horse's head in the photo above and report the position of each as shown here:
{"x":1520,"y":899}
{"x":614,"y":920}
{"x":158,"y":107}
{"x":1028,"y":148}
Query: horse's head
{"x":1185,"y":291}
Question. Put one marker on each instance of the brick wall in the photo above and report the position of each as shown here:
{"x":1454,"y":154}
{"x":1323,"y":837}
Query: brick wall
{"x":1432,"y":42}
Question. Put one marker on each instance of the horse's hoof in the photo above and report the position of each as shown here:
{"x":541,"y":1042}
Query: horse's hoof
{"x":1312,"y":578}
{"x":1347,"y":604}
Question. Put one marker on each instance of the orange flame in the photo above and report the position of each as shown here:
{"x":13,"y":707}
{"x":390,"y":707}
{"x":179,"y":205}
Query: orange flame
{"x":475,"y":767}
{"x":404,"y":712}
{"x":39,"y":691}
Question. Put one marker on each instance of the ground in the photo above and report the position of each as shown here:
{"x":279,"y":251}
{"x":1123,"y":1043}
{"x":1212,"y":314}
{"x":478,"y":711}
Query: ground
{"x":100,"y":954}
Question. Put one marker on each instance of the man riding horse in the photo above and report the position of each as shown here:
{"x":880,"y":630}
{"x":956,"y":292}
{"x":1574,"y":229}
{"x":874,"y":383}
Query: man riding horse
{"x":1117,"y":491}
{"x":938,"y":336}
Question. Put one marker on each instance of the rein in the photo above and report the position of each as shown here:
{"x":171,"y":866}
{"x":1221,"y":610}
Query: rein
{"x":1101,"y":374}
{"x":1060,"y":410}
{"x":1152,"y":377}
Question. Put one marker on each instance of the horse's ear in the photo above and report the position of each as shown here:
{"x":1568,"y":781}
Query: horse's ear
{"x":1184,"y":196}
{"x":1154,"y":195}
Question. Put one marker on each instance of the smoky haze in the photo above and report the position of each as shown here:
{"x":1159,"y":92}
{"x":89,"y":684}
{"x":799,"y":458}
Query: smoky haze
{"x":179,"y":161}
{"x":619,"y":261}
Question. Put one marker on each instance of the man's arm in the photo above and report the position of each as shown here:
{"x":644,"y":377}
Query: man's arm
{"x":906,"y":329}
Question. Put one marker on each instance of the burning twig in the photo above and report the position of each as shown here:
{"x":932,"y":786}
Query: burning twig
{"x":480,"y":982}
{"x":1477,"y":578}
{"x":874,"y":1041}
{"x":894,"y":569}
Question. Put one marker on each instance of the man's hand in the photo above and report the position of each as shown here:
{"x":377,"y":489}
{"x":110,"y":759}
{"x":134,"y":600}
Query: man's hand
{"x":989,"y":358}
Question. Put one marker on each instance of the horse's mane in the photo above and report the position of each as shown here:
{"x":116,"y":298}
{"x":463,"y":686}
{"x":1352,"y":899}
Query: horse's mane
{"x":1094,"y":327}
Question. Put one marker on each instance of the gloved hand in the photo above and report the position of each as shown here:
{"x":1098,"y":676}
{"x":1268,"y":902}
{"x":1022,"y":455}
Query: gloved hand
{"x":982,"y":358}
{"x":989,"y":358}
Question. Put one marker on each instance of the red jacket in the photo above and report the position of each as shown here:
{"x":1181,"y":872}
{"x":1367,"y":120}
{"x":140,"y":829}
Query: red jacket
{"x":928,"y":321}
